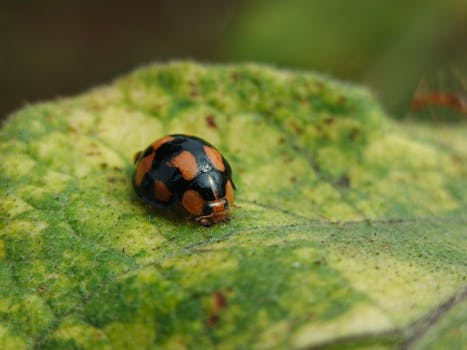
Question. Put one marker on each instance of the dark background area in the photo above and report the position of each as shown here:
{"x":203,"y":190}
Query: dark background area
{"x":57,"y":48}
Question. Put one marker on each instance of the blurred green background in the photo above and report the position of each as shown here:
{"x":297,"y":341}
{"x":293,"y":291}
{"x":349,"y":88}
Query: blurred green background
{"x":56,"y":48}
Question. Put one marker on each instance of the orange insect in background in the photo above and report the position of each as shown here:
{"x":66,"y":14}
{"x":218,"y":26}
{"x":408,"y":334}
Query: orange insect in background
{"x":449,"y":90}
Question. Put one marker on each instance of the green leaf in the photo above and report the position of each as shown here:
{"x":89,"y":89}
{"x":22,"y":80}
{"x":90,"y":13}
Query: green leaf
{"x":349,"y":231}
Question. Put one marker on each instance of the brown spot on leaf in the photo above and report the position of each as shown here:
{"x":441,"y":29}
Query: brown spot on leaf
{"x":212,"y":320}
{"x":41,"y":289}
{"x":343,"y":181}
{"x":287,"y":158}
{"x":295,"y":127}
{"x":354,"y":134}
{"x":234,"y":76}
{"x":93,"y":153}
{"x":319,"y":262}
{"x":113,"y":179}
{"x":211,"y":121}
{"x":218,"y":302}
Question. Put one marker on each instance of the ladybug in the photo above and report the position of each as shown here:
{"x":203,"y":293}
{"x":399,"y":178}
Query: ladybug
{"x":186,"y":172}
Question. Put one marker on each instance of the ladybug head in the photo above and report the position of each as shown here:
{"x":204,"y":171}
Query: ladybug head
{"x":209,"y":197}
{"x":215,"y":212}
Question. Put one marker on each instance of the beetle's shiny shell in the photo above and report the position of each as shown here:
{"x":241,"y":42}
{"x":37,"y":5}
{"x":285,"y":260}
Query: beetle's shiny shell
{"x":185,"y":171}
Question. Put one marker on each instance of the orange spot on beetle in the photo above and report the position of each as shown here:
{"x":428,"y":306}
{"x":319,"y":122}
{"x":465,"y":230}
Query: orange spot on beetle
{"x":143,"y":167}
{"x":186,"y":163}
{"x":215,"y":158}
{"x":145,"y":163}
{"x":156,"y":144}
{"x":193,"y":202}
{"x":161,"y":191}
